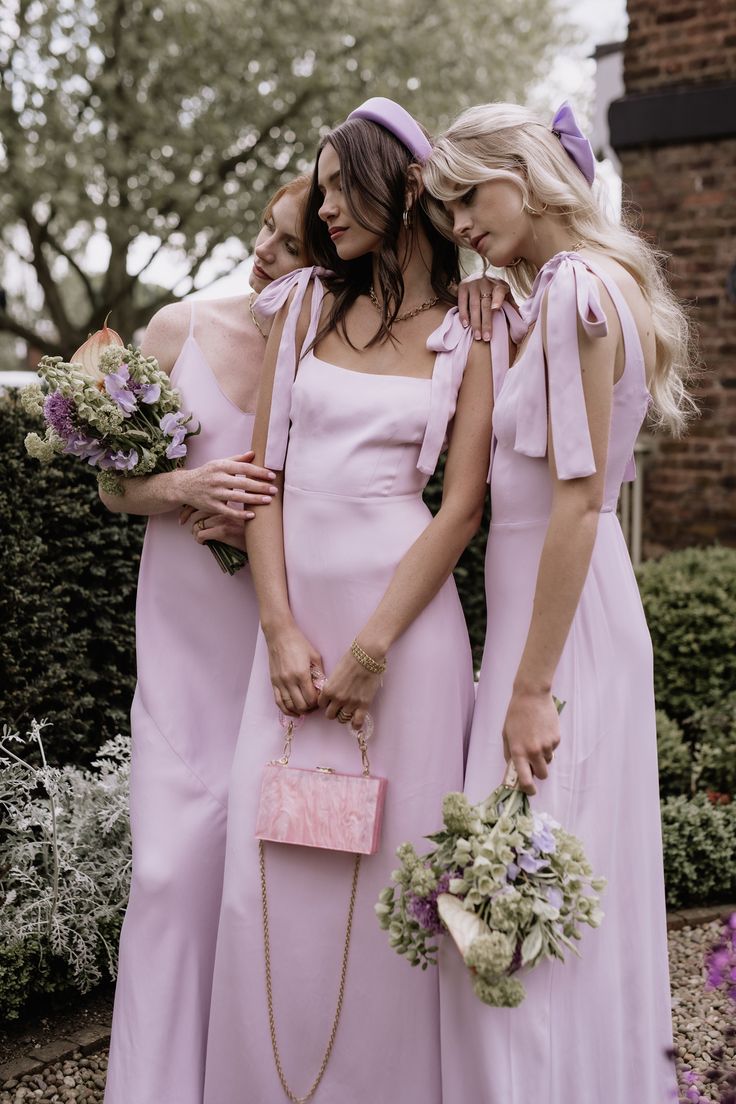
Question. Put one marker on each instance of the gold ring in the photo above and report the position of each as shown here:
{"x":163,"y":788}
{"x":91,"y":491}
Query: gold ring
{"x":344,"y":717}
{"x":486,"y":295}
{"x":201,"y":525}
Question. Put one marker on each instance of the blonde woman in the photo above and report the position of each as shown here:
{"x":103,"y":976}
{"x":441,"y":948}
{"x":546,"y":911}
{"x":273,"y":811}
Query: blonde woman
{"x":606,"y":342}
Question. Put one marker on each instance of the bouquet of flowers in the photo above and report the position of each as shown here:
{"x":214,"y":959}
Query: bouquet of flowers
{"x":116,"y":409}
{"x":510,"y":885}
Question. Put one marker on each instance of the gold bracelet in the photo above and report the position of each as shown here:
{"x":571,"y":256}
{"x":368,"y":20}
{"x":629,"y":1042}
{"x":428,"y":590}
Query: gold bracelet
{"x":376,"y":667}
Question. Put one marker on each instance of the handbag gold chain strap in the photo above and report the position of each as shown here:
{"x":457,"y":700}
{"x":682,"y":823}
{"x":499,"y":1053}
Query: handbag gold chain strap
{"x":291,"y":1095}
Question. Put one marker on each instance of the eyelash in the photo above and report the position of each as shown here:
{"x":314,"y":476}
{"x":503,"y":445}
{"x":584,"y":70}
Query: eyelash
{"x":468,"y":197}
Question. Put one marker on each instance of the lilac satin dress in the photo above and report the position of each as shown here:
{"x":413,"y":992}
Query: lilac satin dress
{"x":593,"y":1030}
{"x":360,"y":449}
{"x":196,"y":632}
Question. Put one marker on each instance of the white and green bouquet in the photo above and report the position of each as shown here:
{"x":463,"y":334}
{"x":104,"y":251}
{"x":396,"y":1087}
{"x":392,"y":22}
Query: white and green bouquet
{"x":509,"y":884}
{"x":114,"y":408}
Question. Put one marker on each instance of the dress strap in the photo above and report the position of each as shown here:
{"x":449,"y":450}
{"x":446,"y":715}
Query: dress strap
{"x":572,"y":294}
{"x":271,"y":300}
{"x":191,"y":319}
{"x":452,"y":343}
{"x":507,"y":322}
{"x":634,"y":366}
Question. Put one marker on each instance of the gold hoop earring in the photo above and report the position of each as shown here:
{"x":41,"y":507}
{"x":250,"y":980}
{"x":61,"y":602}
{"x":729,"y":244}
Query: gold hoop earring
{"x":407,"y":217}
{"x":529,"y":210}
{"x":514,"y":263}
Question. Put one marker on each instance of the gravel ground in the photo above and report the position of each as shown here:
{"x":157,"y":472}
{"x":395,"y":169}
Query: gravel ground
{"x":700,"y":1019}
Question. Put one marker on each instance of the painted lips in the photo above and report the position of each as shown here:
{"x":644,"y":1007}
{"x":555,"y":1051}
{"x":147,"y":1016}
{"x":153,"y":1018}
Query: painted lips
{"x":337,"y":232}
{"x":260,"y":273}
{"x":477,"y":242}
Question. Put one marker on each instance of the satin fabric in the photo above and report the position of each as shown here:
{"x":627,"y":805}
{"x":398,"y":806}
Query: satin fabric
{"x":594,"y":1029}
{"x":359,"y":449}
{"x":196,"y":632}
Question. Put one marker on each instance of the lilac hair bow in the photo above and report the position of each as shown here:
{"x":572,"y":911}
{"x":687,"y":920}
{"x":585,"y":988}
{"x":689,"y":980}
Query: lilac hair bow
{"x":574,"y":141}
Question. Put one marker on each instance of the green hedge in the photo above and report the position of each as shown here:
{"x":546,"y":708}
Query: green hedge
{"x":689,"y":599}
{"x":699,"y":851}
{"x":470,"y":571}
{"x":67,"y":592}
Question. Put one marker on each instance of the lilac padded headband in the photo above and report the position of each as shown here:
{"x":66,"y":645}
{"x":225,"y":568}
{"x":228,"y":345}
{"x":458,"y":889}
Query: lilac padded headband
{"x":574,"y":142}
{"x":395,"y":118}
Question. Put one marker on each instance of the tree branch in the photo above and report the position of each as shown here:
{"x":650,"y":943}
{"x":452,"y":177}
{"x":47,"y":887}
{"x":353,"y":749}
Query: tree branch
{"x":38,"y":235}
{"x":13,"y":326}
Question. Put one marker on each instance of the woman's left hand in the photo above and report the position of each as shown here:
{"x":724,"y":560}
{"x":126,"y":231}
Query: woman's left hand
{"x":349,"y":691}
{"x":477,"y":298}
{"x":217,"y":527}
{"x":531,"y":733}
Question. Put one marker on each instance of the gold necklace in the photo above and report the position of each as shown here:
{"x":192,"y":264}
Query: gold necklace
{"x":409,"y":314}
{"x":251,"y":300}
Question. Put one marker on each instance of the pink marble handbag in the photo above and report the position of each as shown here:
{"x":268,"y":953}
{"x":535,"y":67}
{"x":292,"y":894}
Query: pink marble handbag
{"x":321,"y":807}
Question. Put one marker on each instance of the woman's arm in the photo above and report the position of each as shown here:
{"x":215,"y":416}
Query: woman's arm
{"x":429,"y":561}
{"x":531,"y":730}
{"x":291,"y":656}
{"x":210,"y":487}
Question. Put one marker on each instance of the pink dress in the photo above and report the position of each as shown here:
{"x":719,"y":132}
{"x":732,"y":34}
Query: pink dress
{"x":196,"y":633}
{"x":593,"y":1030}
{"x":360,"y":449}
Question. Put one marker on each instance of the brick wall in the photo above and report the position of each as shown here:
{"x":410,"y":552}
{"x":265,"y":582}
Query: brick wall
{"x":686,"y":194}
{"x":674,"y":42}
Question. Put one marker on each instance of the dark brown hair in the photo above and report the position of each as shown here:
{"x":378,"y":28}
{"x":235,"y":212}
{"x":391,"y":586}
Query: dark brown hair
{"x":373,"y":175}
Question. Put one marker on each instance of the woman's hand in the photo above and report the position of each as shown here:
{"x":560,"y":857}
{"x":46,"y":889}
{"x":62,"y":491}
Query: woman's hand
{"x":217,"y":527}
{"x":531,"y":733}
{"x":292,"y":660}
{"x":348,"y":692}
{"x":477,"y":298}
{"x":214,"y":486}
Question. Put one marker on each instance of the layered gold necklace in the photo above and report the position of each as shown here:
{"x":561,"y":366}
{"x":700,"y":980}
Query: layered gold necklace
{"x":408,"y":314}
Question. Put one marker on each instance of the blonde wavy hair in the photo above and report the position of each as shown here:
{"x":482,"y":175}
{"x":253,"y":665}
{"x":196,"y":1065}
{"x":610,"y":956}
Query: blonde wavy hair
{"x":507,"y":142}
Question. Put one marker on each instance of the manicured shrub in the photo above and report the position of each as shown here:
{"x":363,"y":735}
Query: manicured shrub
{"x":675,"y":758}
{"x":690,"y":602}
{"x":715,"y":755}
{"x":699,"y":840}
{"x":68,"y":569}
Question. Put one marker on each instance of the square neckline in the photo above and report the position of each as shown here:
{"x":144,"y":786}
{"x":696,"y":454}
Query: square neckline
{"x":374,"y":375}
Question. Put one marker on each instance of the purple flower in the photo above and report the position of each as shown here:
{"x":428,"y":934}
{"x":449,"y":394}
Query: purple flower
{"x":177,"y":447}
{"x":528,"y":863}
{"x":424,"y":909}
{"x":512,"y":872}
{"x":170,"y":423}
{"x":122,"y":461}
{"x":58,"y":413}
{"x":86,"y":448}
{"x":116,"y":385}
{"x":542,"y":837}
{"x":150,"y":392}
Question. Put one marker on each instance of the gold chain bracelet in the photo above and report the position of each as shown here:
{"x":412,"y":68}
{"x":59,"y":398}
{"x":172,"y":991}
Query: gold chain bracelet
{"x":375,"y":666}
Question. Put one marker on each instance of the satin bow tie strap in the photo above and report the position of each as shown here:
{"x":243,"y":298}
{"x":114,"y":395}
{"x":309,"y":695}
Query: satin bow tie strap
{"x":507,"y":323}
{"x":576,"y":145}
{"x":268,"y":303}
{"x":572,"y":294}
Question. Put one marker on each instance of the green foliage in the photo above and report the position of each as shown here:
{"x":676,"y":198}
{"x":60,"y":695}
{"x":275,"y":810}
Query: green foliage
{"x":675,"y":758}
{"x":64,"y":868}
{"x":67,"y":593}
{"x":167,"y":124}
{"x":689,"y":599}
{"x":699,"y":851}
{"x":470,"y":571}
{"x":715,"y":756}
